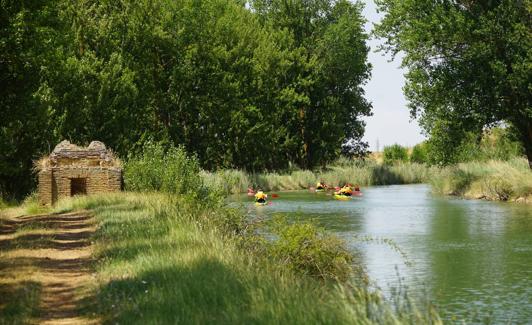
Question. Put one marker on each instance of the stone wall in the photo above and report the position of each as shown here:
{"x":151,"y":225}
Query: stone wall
{"x":55,"y":183}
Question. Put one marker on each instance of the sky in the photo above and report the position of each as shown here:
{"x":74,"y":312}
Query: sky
{"x":391,"y":121}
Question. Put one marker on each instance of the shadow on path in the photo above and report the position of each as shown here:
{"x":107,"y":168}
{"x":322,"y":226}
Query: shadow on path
{"x":45,"y":268}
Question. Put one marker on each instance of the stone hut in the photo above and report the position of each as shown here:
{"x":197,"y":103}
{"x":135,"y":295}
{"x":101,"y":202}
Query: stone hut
{"x":71,"y":170}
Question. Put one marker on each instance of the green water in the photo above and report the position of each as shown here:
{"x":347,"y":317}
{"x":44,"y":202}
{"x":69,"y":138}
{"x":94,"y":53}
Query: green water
{"x":473,"y":259}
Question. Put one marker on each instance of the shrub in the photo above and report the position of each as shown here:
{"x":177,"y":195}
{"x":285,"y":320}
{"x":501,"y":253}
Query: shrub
{"x":3,"y":203}
{"x":305,"y":248}
{"x":394,"y":153}
{"x":157,"y":168}
{"x":419,"y":154}
{"x":495,"y":144}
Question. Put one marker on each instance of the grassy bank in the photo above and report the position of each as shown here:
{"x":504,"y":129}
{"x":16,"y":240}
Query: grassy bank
{"x":166,"y":260}
{"x":364,"y":173}
{"x":491,"y":180}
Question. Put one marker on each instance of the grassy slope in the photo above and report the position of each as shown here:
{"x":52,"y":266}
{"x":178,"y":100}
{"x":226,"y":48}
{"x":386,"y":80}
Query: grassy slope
{"x":492,"y":180}
{"x":159,"y":263}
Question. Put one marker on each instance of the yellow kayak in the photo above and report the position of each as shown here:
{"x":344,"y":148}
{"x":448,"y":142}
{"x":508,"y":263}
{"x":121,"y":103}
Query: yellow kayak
{"x":342,"y":197}
{"x":320,"y":190}
{"x":260,"y":203}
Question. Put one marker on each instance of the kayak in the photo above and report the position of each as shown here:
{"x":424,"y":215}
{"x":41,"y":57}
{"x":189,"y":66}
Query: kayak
{"x":320,"y":190}
{"x":342,"y":197}
{"x":260,"y":203}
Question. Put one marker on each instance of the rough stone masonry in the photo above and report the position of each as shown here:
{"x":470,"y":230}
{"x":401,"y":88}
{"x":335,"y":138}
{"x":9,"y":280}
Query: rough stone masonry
{"x":71,"y":170}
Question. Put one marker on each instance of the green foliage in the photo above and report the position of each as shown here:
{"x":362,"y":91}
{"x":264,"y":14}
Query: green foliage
{"x":166,"y":169}
{"x":419,"y":154}
{"x":307,"y":249}
{"x":20,"y":302}
{"x":324,"y":100}
{"x":493,"y":144}
{"x":248,"y":89}
{"x":342,"y":171}
{"x":468,"y":67}
{"x":395,"y":153}
{"x":493,"y":180}
{"x":28,"y":44}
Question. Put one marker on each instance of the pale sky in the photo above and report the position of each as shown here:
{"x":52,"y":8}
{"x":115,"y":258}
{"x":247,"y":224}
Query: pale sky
{"x":390,"y":122}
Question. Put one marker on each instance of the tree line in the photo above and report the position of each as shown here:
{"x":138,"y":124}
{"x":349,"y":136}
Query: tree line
{"x":253,"y":85}
{"x":256,"y":85}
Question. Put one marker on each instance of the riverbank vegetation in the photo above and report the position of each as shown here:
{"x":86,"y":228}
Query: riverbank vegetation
{"x":491,"y":180}
{"x":166,"y":246}
{"x":483,"y":161}
{"x":156,"y":252}
{"x":361,"y":172}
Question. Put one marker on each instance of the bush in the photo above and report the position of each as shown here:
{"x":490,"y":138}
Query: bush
{"x":394,"y":153}
{"x":494,"y":144}
{"x":157,"y":168}
{"x":304,"y":248}
{"x":419,"y":154}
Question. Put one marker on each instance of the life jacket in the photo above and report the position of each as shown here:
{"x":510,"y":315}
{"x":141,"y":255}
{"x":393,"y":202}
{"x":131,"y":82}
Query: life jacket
{"x":260,"y":196}
{"x":346,"y":190}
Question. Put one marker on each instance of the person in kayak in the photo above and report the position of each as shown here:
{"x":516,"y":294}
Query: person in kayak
{"x":346,"y":190}
{"x":260,"y":197}
{"x":251,"y":192}
{"x":321,"y":186}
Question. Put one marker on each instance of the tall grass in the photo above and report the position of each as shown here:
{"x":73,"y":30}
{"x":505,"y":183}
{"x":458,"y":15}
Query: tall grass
{"x":492,"y":180}
{"x":167,"y":260}
{"x":364,"y":173}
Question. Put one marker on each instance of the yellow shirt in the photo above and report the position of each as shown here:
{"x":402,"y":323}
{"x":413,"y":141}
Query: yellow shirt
{"x":346,"y":189}
{"x":261,"y":195}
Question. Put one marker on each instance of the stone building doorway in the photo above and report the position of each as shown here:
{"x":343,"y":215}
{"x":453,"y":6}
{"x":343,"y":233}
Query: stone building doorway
{"x":78,"y":186}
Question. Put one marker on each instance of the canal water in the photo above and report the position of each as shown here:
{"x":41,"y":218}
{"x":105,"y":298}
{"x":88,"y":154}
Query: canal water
{"x":472,"y":259}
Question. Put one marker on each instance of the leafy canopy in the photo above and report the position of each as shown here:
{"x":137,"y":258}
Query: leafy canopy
{"x":469,"y":66}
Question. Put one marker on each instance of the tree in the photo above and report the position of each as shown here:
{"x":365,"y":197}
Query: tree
{"x":419,"y":153}
{"x":28,"y":44}
{"x":394,"y":153}
{"x":468,"y":63}
{"x":324,"y":99}
{"x":217,"y":77}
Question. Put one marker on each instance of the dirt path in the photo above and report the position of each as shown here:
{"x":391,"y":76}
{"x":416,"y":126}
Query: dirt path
{"x":50,"y":256}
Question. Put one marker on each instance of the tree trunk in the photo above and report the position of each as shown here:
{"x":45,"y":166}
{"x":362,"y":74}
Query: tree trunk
{"x":526,"y":137}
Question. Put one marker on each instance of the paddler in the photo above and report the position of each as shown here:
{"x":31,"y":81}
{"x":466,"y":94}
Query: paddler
{"x":251,"y":192}
{"x":260,"y":197}
{"x":346,"y":190}
{"x":321,"y":186}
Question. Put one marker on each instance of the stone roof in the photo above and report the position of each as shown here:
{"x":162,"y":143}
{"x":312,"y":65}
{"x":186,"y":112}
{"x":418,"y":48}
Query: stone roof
{"x":96,"y":149}
{"x":68,"y":154}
